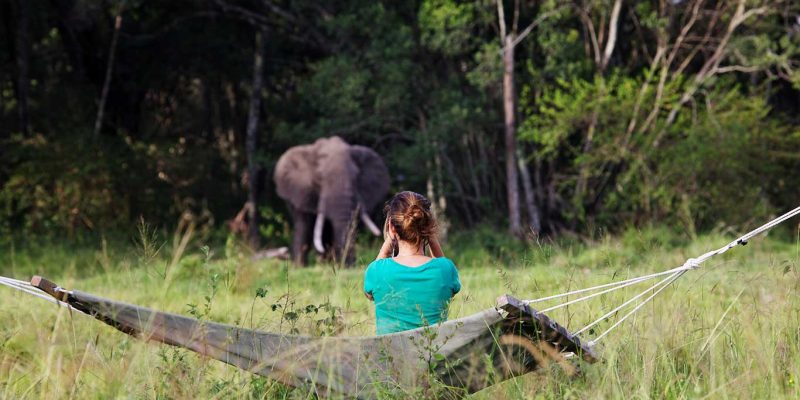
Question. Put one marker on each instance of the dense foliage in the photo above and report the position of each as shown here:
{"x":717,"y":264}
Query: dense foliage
{"x":684,"y":112}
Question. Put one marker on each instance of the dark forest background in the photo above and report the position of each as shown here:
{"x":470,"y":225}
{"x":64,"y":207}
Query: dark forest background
{"x":555,"y":117}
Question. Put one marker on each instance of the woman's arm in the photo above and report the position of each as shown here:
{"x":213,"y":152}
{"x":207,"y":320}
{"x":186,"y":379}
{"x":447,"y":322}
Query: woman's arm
{"x":436,"y":249}
{"x":386,"y":249}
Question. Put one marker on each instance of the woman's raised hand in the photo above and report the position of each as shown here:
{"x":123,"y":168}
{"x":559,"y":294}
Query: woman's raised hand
{"x":436,"y":248}
{"x":386,"y":247}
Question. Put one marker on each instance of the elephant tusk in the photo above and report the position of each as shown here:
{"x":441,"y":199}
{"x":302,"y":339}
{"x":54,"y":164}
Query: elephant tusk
{"x":318,"y":226}
{"x":368,"y":222}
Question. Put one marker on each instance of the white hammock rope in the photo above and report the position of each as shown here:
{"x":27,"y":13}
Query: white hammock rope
{"x":26,"y":287}
{"x":18,"y":284}
{"x":673,"y":274}
{"x":622,"y":284}
{"x":618,"y":283}
{"x":671,"y":279}
{"x":32,"y":290}
{"x":629,"y":301}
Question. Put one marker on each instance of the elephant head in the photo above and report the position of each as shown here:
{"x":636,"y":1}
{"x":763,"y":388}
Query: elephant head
{"x":326,"y":183}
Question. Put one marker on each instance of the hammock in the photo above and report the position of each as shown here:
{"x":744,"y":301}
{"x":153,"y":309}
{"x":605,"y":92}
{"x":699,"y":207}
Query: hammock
{"x":463,"y":355}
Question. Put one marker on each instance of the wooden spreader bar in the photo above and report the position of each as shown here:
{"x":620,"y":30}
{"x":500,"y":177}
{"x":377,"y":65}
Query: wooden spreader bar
{"x":538,"y":326}
{"x":49,"y":287}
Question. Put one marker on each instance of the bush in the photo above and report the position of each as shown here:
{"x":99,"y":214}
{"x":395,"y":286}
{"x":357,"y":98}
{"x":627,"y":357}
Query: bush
{"x":723,"y":161}
{"x":62,"y":185}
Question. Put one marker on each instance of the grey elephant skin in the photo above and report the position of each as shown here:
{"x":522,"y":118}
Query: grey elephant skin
{"x":330,"y":182}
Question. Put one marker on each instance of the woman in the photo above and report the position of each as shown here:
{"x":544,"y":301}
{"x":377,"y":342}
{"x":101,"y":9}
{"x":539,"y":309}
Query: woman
{"x":410,"y":289}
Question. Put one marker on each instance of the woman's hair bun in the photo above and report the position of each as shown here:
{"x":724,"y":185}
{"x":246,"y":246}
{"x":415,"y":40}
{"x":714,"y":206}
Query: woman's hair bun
{"x":415,"y":212}
{"x":410,"y":215}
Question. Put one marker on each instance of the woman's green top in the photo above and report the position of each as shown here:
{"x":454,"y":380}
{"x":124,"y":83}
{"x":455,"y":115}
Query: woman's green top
{"x":410,"y":297}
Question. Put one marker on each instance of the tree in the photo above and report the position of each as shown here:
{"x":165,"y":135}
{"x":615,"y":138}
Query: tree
{"x":510,"y":39}
{"x":510,"y":117}
{"x":609,"y":128}
{"x":253,"y":167}
{"x":98,"y":124}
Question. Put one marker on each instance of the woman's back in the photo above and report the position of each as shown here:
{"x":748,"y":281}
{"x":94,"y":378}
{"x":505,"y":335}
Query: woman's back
{"x":409,"y":297}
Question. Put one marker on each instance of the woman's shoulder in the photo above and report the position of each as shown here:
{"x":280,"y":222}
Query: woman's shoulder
{"x":378,"y":263}
{"x":444,"y":261}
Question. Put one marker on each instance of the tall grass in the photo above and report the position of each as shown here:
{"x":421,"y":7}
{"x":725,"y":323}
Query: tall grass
{"x":728,"y":330}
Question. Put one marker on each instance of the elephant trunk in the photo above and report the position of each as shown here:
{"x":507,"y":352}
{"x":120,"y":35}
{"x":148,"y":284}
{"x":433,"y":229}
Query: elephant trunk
{"x":336,"y":209}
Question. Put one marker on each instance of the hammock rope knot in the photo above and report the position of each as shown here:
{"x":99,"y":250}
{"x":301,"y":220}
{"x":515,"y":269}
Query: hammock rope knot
{"x":692,"y":263}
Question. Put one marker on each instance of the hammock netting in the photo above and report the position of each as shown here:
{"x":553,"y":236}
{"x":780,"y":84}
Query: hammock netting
{"x":462,"y":356}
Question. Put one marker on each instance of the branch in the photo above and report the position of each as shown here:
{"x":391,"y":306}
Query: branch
{"x":737,"y":68}
{"x":534,"y":24}
{"x":662,"y":47}
{"x":612,"y":34}
{"x":755,"y":11}
{"x":684,"y":31}
{"x":501,"y":20}
{"x":98,"y":123}
{"x":592,"y":34}
{"x":711,"y":67}
{"x":515,"y":20}
{"x":702,"y":43}
{"x":739,"y":17}
{"x":660,"y":51}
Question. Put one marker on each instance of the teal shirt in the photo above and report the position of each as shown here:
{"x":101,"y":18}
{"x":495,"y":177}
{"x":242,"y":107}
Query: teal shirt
{"x":410,"y":297}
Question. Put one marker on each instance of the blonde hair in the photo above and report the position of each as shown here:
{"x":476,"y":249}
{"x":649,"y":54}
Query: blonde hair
{"x":410,"y":215}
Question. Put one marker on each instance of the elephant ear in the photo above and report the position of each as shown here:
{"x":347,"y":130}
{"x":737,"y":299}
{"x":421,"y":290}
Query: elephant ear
{"x":294,"y":178}
{"x":373,"y":177}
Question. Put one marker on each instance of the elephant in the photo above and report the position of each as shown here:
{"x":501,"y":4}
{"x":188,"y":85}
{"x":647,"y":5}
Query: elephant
{"x":324,"y":184}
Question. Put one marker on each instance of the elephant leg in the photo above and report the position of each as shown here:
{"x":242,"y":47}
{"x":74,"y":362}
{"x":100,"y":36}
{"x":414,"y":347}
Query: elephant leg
{"x":303,"y":224}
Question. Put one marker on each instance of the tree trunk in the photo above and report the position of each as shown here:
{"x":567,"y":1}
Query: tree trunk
{"x":534,"y":215}
{"x":101,"y":107}
{"x":509,"y":108}
{"x":434,"y":185}
{"x":23,"y":50}
{"x":253,"y":169}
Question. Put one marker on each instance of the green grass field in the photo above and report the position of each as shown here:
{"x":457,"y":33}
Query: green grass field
{"x":728,"y":330}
